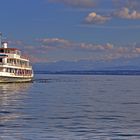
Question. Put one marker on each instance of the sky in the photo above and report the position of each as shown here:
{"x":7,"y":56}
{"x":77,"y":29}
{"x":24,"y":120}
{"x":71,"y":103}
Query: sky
{"x":51,"y":31}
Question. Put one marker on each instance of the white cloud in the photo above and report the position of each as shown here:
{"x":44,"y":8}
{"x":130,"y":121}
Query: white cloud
{"x":54,"y":43}
{"x":109,"y":46}
{"x":59,"y":43}
{"x":136,"y":50}
{"x":94,"y":18}
{"x":59,"y":46}
{"x":126,"y":13}
{"x":53,"y":40}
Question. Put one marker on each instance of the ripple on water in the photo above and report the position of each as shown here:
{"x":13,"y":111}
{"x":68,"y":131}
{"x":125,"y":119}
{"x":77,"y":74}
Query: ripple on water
{"x":71,"y":108}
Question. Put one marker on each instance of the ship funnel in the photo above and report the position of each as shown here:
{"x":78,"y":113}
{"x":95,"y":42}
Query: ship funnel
{"x":5,"y":44}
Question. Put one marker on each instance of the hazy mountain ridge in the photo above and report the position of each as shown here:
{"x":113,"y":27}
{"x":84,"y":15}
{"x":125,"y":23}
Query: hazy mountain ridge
{"x":84,"y":66}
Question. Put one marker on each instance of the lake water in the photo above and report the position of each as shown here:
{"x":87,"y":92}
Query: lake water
{"x":71,"y":107}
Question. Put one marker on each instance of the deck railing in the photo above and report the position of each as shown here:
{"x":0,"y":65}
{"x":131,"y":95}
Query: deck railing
{"x":17,"y":65}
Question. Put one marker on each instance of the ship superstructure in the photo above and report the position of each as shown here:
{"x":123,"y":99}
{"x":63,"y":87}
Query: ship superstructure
{"x":13,"y":66}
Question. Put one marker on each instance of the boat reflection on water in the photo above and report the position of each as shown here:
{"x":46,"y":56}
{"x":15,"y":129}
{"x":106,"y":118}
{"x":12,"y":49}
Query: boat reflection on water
{"x":12,"y":88}
{"x":12,"y":98}
{"x":12,"y":92}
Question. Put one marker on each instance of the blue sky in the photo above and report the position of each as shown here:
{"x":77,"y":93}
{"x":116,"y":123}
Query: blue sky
{"x":73,"y":30}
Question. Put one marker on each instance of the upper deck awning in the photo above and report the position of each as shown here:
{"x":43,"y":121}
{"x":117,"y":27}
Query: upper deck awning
{"x":12,"y":49}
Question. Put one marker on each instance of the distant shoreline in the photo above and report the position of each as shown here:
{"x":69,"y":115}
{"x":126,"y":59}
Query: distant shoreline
{"x":93,"y":72}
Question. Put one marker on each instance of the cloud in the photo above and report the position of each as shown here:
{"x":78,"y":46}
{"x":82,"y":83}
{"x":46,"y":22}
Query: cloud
{"x":94,"y":18}
{"x":55,"y":49}
{"x":107,"y":51}
{"x":56,"y":43}
{"x":123,"y":13}
{"x":109,"y":46}
{"x":96,"y":47}
{"x":59,"y":43}
{"x":136,"y":50}
{"x":126,"y":13}
{"x":76,"y":3}
{"x":132,"y":4}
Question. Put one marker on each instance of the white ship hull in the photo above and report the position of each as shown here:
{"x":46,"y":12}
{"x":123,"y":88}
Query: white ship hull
{"x":6,"y":79}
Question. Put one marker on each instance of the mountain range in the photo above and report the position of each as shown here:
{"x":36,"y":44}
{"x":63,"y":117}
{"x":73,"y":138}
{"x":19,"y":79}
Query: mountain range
{"x":86,"y":66}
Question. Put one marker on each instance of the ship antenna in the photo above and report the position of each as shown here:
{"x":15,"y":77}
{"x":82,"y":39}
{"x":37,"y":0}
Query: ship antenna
{"x":0,"y":39}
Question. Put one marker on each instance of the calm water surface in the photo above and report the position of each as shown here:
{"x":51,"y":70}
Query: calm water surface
{"x":71,"y":107}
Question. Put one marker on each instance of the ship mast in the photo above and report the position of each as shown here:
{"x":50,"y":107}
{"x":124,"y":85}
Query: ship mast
{"x":0,"y":39}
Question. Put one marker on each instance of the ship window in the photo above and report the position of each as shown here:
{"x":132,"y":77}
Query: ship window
{"x":1,"y":51}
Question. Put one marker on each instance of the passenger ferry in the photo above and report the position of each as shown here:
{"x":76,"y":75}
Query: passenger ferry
{"x":13,"y":66}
